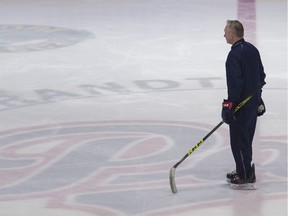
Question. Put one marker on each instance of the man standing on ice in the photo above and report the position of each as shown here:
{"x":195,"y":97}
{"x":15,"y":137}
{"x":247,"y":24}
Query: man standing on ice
{"x":245,"y":76}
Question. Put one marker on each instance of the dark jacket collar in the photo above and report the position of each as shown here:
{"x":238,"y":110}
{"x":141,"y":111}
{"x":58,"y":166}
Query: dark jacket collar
{"x":238,"y":42}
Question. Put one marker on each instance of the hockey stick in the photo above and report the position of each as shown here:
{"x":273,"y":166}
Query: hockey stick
{"x":173,"y":169}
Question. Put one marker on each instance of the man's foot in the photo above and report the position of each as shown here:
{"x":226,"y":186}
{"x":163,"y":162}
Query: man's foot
{"x":238,"y":181}
{"x":231,"y":176}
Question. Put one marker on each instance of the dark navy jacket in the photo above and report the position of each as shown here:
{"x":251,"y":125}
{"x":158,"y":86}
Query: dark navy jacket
{"x":244,"y":73}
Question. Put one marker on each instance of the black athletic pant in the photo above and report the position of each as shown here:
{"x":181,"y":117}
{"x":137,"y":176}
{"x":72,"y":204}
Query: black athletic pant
{"x":241,"y":138}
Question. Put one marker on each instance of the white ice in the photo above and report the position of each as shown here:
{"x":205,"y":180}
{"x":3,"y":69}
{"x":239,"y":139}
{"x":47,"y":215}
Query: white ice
{"x":99,"y":99}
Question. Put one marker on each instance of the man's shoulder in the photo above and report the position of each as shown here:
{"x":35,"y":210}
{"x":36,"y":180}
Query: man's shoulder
{"x":243,"y":46}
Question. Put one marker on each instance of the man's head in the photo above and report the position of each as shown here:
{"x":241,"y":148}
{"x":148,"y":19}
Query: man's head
{"x":233,"y":31}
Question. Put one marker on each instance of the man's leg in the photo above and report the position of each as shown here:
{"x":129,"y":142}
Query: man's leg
{"x":241,"y":137}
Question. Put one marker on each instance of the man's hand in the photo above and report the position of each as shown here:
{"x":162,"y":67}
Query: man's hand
{"x":228,"y":108}
{"x":261,"y":108}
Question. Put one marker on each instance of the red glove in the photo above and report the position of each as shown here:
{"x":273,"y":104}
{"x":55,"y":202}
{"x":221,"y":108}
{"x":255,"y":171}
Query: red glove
{"x":228,"y":108}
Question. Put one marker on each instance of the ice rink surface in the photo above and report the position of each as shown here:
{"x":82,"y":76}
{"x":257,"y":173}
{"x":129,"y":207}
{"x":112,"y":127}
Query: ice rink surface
{"x":100,"y":98}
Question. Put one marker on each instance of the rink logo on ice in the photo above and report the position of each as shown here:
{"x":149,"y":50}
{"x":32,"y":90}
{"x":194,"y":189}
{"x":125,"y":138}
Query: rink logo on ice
{"x":117,"y":167}
{"x":27,"y":38}
{"x":98,"y":167}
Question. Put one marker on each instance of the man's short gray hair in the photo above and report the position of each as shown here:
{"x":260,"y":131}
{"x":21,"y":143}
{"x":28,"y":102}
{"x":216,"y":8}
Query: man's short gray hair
{"x":236,"y":28}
